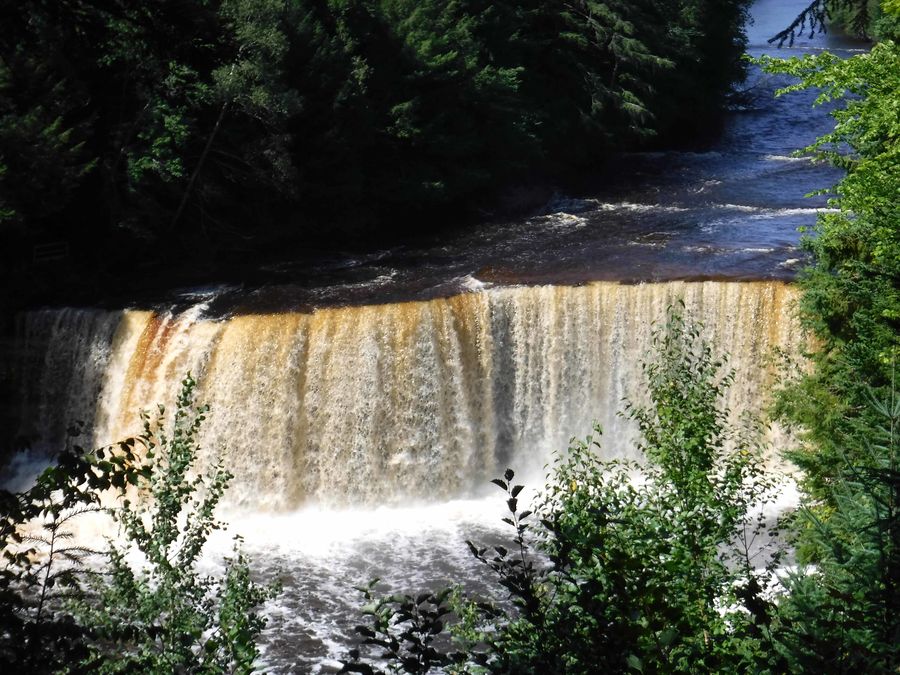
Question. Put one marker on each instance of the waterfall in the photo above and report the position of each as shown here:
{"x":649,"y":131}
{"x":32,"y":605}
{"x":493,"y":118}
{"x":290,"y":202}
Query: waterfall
{"x":63,"y":357}
{"x":383,"y":403}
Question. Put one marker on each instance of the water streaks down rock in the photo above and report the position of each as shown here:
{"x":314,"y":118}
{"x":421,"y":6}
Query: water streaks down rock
{"x":387,"y":403}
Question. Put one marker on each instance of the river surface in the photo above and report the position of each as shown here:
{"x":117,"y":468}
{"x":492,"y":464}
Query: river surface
{"x":731,"y":209}
{"x":426,"y":398}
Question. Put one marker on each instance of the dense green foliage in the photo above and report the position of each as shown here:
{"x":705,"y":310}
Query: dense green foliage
{"x":42,"y":566}
{"x":116,"y":117}
{"x":872,"y":19}
{"x":851,"y":293}
{"x":840,"y":616}
{"x":219,"y":125}
{"x":141,"y":605}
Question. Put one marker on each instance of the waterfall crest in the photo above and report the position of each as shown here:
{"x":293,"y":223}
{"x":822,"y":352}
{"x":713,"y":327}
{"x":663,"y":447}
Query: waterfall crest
{"x":385,"y":403}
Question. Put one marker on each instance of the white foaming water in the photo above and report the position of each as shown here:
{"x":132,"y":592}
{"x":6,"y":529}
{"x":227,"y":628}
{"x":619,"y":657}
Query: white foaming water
{"x":322,"y":556}
{"x":770,"y":212}
{"x":778,"y":213}
{"x":562,"y":220}
{"x":638,"y":208}
{"x":711,"y":248}
{"x":787,"y":158}
{"x":321,"y":533}
{"x":389,"y":403}
{"x":470,"y":284}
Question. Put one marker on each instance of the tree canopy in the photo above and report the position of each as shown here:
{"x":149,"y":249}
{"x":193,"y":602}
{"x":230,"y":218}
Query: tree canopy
{"x":223,"y":125}
{"x":863,"y":18}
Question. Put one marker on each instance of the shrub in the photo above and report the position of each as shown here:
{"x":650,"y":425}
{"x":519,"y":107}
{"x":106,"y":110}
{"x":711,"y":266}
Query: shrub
{"x":43,"y":567}
{"x":160,"y":616}
{"x":167,"y":616}
{"x":643,"y":568}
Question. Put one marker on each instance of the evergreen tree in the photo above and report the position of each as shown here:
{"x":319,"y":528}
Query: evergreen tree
{"x":227,"y":124}
{"x":815,"y":17}
{"x":851,"y":294}
{"x":42,"y":142}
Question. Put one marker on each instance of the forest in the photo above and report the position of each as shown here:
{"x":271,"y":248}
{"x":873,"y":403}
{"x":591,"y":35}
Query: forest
{"x":191,"y":133}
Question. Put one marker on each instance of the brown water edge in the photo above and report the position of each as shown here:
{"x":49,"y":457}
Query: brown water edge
{"x":241,"y":300}
{"x":374,"y":404}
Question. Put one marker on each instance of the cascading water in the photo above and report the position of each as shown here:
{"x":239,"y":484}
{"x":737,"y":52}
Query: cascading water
{"x":62,"y":366}
{"x":386,"y":403}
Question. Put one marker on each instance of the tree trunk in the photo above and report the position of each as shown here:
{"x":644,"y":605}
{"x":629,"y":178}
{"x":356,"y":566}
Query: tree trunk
{"x":196,"y":172}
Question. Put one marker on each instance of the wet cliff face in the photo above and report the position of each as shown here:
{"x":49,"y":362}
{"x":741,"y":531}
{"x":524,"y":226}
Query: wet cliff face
{"x":385,"y":403}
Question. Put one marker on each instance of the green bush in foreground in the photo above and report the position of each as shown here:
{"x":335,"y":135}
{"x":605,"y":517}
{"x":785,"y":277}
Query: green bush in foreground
{"x":622,"y":567}
{"x":149,"y":609}
{"x":42,"y":568}
{"x":652,"y":568}
{"x":841,"y":615}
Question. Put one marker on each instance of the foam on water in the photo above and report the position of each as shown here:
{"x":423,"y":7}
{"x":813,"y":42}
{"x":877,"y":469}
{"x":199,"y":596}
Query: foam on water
{"x":321,"y":556}
{"x":472,"y":285}
{"x":787,"y":158}
{"x":562,"y":220}
{"x":639,"y":208}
